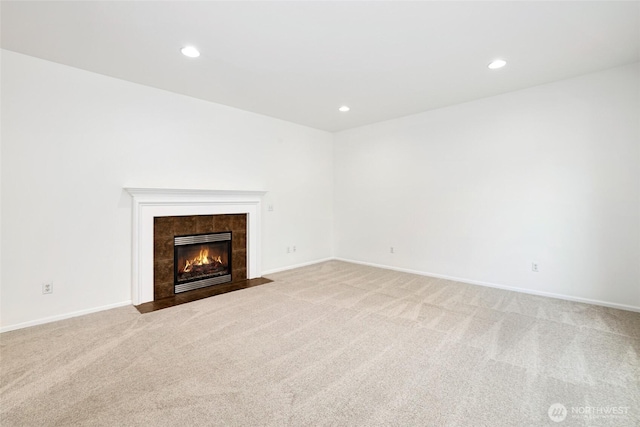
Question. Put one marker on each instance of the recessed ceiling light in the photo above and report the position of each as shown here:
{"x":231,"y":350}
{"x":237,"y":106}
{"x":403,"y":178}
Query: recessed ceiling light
{"x":497,"y":63}
{"x":190,"y":51}
{"x":344,"y":109}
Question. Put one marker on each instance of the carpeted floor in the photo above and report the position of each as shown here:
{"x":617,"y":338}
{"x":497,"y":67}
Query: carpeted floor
{"x":334,"y":344}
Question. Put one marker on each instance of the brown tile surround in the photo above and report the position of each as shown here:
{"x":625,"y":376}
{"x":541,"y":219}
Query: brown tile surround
{"x":164,"y":230}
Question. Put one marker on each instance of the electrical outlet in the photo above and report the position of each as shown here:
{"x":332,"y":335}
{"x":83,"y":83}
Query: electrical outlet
{"x":294,"y":248}
{"x":270,"y":207}
{"x":534,"y":267}
{"x":47,"y":288}
{"x":392,"y":250}
{"x":288,"y":249}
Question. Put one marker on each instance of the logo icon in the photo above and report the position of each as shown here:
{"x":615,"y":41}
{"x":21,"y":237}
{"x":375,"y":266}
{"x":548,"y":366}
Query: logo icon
{"x":557,"y":412}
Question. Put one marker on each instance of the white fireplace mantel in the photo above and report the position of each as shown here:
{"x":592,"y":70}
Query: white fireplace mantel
{"x":149,"y":203}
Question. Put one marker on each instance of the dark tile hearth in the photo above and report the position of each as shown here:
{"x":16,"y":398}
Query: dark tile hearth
{"x":199,"y":294}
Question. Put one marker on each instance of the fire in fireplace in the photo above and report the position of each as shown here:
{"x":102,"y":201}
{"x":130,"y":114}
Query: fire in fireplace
{"x":201,"y":260}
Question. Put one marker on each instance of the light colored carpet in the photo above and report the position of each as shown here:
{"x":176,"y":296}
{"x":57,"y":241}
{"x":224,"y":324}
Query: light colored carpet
{"x":331,"y":344}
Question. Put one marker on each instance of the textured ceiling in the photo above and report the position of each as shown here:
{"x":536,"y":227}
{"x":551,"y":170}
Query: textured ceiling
{"x":300,"y":61}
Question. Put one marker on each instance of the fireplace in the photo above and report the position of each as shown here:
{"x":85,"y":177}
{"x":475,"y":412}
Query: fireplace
{"x":201,"y":260}
{"x":159,"y":214}
{"x":197,"y":251}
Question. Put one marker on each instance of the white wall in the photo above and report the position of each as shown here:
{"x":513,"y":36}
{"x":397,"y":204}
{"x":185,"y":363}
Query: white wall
{"x":476,"y":191}
{"x":480,"y":190}
{"x":71,"y":140}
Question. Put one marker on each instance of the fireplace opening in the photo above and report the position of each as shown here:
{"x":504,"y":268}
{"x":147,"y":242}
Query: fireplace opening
{"x":201,"y":260}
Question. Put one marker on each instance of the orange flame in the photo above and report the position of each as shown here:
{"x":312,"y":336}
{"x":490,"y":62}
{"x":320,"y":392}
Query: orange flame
{"x":201,"y":259}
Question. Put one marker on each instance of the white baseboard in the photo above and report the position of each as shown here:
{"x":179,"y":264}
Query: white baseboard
{"x":62,"y":316}
{"x":494,"y":285}
{"x":291,"y":267}
{"x":123,"y":303}
{"x":370,"y":264}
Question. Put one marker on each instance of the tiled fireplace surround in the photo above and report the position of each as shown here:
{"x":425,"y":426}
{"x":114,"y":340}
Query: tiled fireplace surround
{"x":166,"y":227}
{"x":199,"y":210}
